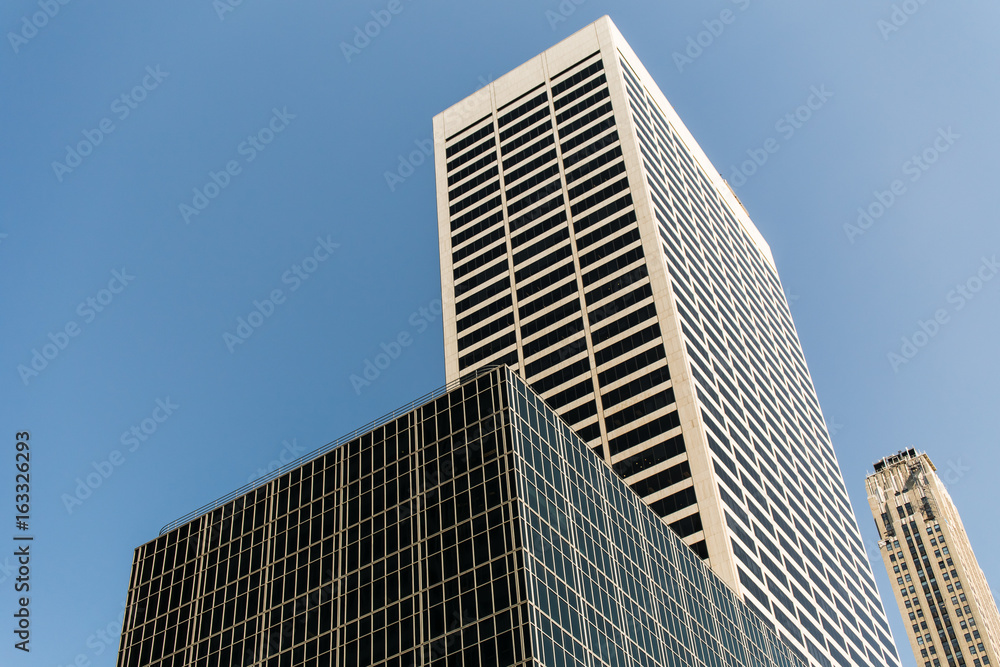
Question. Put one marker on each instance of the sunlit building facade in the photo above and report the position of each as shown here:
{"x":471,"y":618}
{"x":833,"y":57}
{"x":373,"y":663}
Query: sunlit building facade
{"x":587,"y":241}
{"x":942,"y":594}
{"x":472,"y":529}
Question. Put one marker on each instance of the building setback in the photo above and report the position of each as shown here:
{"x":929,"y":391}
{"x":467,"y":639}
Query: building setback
{"x":473,"y":529}
{"x":941,"y":591}
{"x":587,"y":241}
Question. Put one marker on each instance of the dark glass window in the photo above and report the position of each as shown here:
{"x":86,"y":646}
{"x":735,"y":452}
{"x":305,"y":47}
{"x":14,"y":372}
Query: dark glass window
{"x":570,"y":159}
{"x":528,"y":167}
{"x":663,"y":479}
{"x":479,"y":227}
{"x":545,"y":281}
{"x":472,"y":183}
{"x":674,"y":502}
{"x":580,"y":107}
{"x":529,"y":183}
{"x":648,"y":458}
{"x":553,"y":337}
{"x":623,"y":324}
{"x":478,"y":244}
{"x":643,"y":432}
{"x":483,"y":313}
{"x":577,"y":415}
{"x":619,"y":223}
{"x":526,"y":310}
{"x":485,"y":332}
{"x":627,"y":344}
{"x":546,"y":361}
{"x":603,"y":213}
{"x":474,"y":214}
{"x":498,"y":250}
{"x":546,"y":243}
{"x":524,"y":108}
{"x":631,"y":365}
{"x":571,"y":394}
{"x":601,"y":160}
{"x":600,"y":196}
{"x":461,"y":144}
{"x":480,"y":278}
{"x":552,"y":257}
{"x":468,"y":170}
{"x":637,"y":412}
{"x":585,"y":119}
{"x":566,"y":84}
{"x":474,"y":197}
{"x":689,"y":525}
{"x":489,"y":144}
{"x":637,"y":386}
{"x":595,"y":180}
{"x":524,"y":154}
{"x":580,"y":91}
{"x":625,"y":301}
{"x":542,"y":385}
{"x":524,"y":123}
{"x":532,"y":327}
{"x":532,"y":198}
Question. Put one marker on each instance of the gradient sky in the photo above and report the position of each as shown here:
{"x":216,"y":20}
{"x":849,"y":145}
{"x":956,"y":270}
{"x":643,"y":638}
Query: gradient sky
{"x":199,"y":78}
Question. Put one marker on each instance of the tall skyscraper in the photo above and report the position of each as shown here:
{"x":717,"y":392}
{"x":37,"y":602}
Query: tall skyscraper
{"x":472,"y":529}
{"x":942,"y":594}
{"x":587,"y":241}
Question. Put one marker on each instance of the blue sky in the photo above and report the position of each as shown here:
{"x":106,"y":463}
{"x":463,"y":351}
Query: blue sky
{"x":288,"y":138}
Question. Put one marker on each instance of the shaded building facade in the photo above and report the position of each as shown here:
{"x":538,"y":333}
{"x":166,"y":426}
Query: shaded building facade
{"x":473,"y":529}
{"x":942,"y":593}
{"x":587,"y":241}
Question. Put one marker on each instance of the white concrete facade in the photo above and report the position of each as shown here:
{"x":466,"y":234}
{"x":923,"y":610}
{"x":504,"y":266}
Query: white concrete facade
{"x":587,"y":241}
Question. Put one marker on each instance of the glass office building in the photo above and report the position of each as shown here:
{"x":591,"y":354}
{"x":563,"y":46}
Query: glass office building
{"x":587,"y":241}
{"x":473,"y":529}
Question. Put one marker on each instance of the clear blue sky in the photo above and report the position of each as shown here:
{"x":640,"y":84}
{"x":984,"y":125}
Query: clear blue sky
{"x":199,"y":80}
